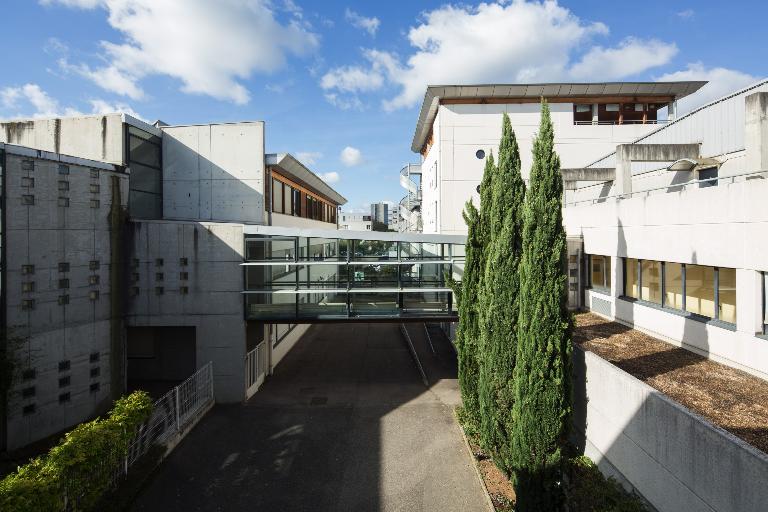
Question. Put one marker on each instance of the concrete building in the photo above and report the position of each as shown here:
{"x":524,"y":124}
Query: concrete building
{"x":150,"y":242}
{"x":380,"y":212}
{"x":458,"y":126}
{"x":674,"y":235}
{"x":355,"y":221}
{"x":61,"y":303}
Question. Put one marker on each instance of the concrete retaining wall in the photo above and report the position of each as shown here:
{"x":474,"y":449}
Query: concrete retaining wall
{"x":672,"y":457}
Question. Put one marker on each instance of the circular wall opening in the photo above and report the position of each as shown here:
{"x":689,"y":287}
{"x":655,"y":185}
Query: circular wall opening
{"x":480,"y":154}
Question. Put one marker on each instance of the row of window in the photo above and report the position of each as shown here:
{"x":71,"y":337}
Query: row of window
{"x":292,"y":201}
{"x":708,"y":292}
{"x":30,"y":391}
{"x":617,"y":113}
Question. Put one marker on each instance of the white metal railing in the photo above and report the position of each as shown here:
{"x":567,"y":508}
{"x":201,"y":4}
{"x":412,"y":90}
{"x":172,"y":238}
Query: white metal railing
{"x":173,"y":413}
{"x":675,"y":187}
{"x":255,"y":368}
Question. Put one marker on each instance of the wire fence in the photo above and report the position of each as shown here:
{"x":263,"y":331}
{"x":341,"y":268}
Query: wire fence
{"x":171,"y":415}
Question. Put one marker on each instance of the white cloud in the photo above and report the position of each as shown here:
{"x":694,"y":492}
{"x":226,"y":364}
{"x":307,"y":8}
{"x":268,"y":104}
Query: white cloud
{"x":351,"y":156}
{"x":31,"y":101}
{"x":330,"y":177}
{"x":352,"y":79}
{"x":519,"y":41}
{"x":211,"y":47}
{"x":309,"y":157}
{"x":630,"y":57}
{"x":686,"y":14}
{"x":370,"y":25}
{"x":344,"y":103}
{"x":722,"y":81}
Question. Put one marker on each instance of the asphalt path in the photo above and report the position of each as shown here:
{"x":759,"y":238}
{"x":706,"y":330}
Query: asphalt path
{"x":344,"y":424}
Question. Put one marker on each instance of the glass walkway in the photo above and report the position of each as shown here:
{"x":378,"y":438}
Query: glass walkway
{"x":306,"y":275}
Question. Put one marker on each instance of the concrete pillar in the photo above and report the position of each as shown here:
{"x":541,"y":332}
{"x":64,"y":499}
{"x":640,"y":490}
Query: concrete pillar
{"x":756,"y":131}
{"x":672,"y":110}
{"x":623,"y":169}
{"x":749,"y":301}
{"x":594,"y":113}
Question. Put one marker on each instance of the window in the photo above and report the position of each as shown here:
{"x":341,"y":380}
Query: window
{"x":600,"y":272}
{"x":582,"y":114}
{"x":64,"y":381}
{"x":63,"y":366}
{"x":708,"y":174}
{"x":94,"y":357}
{"x":726,"y":295}
{"x":95,"y":371}
{"x":700,"y":290}
{"x":765,"y":302}
{"x":94,"y":265}
{"x":28,"y":200}
{"x":673,"y":286}
{"x":64,"y":398}
{"x":63,"y":201}
{"x":277,"y":196}
{"x":63,"y":266}
{"x":63,"y":169}
{"x":631,"y":278}
{"x":287,"y":196}
{"x":296,"y":203}
{"x":28,"y":182}
{"x":650,"y":287}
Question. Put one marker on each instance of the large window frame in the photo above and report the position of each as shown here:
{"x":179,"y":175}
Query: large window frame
{"x":603,"y":262}
{"x":663,"y":302}
{"x":289,"y":199}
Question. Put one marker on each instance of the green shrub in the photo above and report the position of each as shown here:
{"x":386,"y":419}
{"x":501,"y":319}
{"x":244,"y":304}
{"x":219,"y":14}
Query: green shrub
{"x":76,"y":472}
{"x":590,"y":491}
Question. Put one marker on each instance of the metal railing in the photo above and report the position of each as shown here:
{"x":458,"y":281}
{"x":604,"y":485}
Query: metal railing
{"x":609,"y":123}
{"x":255,"y":368}
{"x":675,"y":187}
{"x":172,"y":414}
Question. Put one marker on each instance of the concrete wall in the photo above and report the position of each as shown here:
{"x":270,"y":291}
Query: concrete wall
{"x":721,"y":226}
{"x":45,"y":234}
{"x":214,"y":172}
{"x":214,"y":302}
{"x":286,"y":344}
{"x":672,"y":457}
{"x":92,"y":137}
{"x":461,"y":130}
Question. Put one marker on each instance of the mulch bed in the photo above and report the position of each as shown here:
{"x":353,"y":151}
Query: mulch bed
{"x":729,"y":398}
{"x":499,"y":487}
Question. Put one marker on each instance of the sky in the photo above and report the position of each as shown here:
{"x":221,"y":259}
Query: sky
{"x":340,"y":83}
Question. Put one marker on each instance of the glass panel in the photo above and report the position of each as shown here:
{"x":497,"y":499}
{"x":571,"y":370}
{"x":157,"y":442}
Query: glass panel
{"x":297,"y":203}
{"x":143,"y":152}
{"x":323,"y":248}
{"x":269,"y":306}
{"x":456,"y":250}
{"x":420,"y":251}
{"x":287,"y":195}
{"x":631,"y":283}
{"x":700,"y":290}
{"x":323,"y":303}
{"x":429,"y":275}
{"x":597,"y":271}
{"x":607,"y":261}
{"x":277,"y":196}
{"x":144,"y":205}
{"x":270,"y":249}
{"x":146,"y":179}
{"x":374,"y":303}
{"x":428,"y":302}
{"x":651,"y":273}
{"x":323,"y":276}
{"x":726,"y":295}
{"x":765,"y":302}
{"x":372,"y":250}
{"x":673,"y":284}
{"x":373,"y":276}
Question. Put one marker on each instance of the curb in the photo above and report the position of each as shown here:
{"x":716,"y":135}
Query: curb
{"x":488,"y":501}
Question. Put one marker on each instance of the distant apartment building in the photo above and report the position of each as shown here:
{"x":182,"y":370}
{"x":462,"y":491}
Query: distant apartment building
{"x":123,"y":261}
{"x":459,"y":126}
{"x":380,"y":212}
{"x":355,"y":221}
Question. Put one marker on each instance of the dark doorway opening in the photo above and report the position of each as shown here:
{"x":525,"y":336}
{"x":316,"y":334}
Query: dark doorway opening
{"x":160,"y":358}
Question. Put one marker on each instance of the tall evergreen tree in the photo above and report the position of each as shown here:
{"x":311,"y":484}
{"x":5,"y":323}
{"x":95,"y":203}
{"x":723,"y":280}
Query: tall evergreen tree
{"x":542,"y":381}
{"x":468,"y":332}
{"x":499,"y":298}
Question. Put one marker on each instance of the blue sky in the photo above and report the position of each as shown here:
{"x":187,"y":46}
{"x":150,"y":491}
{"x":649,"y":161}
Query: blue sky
{"x":340,"y":83}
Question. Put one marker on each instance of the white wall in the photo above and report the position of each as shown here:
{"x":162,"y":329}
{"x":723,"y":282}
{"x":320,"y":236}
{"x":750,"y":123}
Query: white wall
{"x":214,"y":172}
{"x":717,"y":226}
{"x":672,"y":457}
{"x":280,"y":219}
{"x":286,"y":344}
{"x":462,"y":130}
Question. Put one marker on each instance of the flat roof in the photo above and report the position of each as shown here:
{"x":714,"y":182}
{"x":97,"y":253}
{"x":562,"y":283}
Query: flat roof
{"x":298,"y":172}
{"x":346,"y":234}
{"x":437,"y":93}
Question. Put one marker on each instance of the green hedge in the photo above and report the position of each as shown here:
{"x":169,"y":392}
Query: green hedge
{"x":80,"y":469}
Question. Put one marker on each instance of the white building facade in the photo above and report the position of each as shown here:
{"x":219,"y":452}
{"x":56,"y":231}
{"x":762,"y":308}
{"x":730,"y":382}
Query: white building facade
{"x":459,"y":126}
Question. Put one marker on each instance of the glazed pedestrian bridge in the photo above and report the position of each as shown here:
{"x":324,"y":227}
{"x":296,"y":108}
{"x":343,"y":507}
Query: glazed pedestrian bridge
{"x":295,"y":275}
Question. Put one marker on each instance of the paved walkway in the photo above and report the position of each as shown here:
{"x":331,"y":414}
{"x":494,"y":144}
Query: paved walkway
{"x":345,"y":424}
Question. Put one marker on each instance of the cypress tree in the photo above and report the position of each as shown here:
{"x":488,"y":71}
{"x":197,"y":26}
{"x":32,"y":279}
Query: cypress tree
{"x":468,"y":332}
{"x":542,"y":380}
{"x":499,"y":299}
